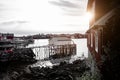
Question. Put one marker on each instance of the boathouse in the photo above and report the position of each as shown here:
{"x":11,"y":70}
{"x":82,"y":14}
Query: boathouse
{"x":61,"y":46}
{"x":60,"y":41}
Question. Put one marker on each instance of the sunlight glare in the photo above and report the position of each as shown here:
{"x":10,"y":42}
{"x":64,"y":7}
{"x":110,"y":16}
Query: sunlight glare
{"x":89,"y":15}
{"x":86,"y":18}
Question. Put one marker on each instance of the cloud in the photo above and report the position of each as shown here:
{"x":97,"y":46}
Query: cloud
{"x":15,"y":27}
{"x":2,"y":7}
{"x":70,"y":12}
{"x":64,"y":3}
{"x":11,"y":26}
{"x":18,"y":32}
{"x":71,"y":7}
{"x":13,"y":22}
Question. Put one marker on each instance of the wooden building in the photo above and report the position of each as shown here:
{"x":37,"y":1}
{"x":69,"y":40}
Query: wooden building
{"x":104,"y":11}
{"x":61,"y":46}
{"x":60,"y":41}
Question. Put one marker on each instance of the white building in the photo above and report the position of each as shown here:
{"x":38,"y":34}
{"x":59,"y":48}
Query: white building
{"x":60,"y":41}
{"x":61,"y":46}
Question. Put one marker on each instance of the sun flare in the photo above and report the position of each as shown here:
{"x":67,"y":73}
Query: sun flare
{"x":89,"y":15}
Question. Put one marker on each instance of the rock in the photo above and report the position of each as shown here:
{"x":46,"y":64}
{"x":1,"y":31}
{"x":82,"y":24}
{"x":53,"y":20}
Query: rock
{"x":14,"y":75}
{"x":27,"y":69}
{"x":60,"y":75}
{"x":64,"y":71}
{"x":63,"y":63}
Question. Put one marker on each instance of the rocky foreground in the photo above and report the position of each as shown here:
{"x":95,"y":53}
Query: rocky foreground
{"x":20,"y":67}
{"x":63,"y":71}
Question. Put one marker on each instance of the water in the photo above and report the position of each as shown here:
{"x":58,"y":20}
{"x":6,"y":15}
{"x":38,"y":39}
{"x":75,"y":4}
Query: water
{"x":81,"y":46}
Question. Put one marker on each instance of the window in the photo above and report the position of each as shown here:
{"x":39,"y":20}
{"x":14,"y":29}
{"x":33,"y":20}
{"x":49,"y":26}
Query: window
{"x":96,"y":41}
{"x":88,"y":39}
{"x":91,"y":40}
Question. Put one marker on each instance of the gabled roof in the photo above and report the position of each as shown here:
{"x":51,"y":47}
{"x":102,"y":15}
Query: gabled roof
{"x":102,"y":21}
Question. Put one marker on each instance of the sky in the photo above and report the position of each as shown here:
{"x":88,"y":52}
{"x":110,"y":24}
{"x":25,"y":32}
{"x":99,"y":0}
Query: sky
{"x":24,"y":17}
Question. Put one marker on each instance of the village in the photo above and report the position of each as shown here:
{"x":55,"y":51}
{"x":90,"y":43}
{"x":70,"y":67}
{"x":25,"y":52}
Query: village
{"x":14,"y":52}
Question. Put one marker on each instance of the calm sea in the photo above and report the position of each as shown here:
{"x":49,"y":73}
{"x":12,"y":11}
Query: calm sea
{"x":81,"y":45}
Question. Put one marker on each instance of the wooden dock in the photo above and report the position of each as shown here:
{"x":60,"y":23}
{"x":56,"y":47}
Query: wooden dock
{"x":54,"y":51}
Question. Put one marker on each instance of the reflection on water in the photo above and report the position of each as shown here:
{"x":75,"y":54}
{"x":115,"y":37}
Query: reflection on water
{"x":81,"y":46}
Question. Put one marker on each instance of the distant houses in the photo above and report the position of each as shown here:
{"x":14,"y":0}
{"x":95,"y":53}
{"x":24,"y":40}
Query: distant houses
{"x":6,"y":36}
{"x":48,"y":36}
{"x":17,"y":42}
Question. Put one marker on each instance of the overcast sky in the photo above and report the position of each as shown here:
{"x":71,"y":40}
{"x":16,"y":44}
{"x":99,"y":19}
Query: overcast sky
{"x":43,"y":16}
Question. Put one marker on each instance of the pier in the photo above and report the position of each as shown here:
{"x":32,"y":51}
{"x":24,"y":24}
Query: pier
{"x":53,"y":51}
